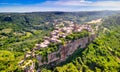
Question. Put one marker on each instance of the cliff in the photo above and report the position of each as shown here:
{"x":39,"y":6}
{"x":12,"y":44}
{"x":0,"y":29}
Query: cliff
{"x":56,"y":48}
{"x":65,"y":50}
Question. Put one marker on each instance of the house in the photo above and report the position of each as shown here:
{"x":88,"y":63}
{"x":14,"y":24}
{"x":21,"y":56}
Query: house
{"x":37,"y":45}
{"x":53,"y":40}
{"x":46,"y":38}
{"x":42,"y":45}
{"x":46,"y":42}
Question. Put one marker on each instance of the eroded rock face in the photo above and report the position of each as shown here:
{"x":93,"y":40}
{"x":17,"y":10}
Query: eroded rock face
{"x":58,"y":56}
{"x":53,"y":57}
{"x":66,"y":50}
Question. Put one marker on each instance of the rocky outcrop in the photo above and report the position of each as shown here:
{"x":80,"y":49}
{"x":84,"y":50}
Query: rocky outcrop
{"x":66,"y":50}
{"x":68,"y":47}
{"x":55,"y":57}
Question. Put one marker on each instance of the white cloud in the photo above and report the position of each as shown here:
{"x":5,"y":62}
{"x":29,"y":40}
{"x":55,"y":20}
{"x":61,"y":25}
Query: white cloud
{"x":67,"y":2}
{"x":63,"y":5}
{"x":73,"y":3}
{"x":83,"y":3}
{"x":107,"y":3}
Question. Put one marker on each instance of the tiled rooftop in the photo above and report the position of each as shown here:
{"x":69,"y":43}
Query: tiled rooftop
{"x":62,"y":32}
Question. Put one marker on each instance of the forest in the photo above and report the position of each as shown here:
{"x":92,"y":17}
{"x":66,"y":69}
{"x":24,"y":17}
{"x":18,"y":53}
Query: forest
{"x":19,"y":32}
{"x":103,"y":55}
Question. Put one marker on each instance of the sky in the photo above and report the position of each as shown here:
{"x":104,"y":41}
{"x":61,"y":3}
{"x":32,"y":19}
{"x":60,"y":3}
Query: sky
{"x":57,"y":5}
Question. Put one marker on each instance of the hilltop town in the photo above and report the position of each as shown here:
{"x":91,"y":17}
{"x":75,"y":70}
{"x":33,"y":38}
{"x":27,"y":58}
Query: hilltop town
{"x":61,"y":43}
{"x":62,"y":32}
